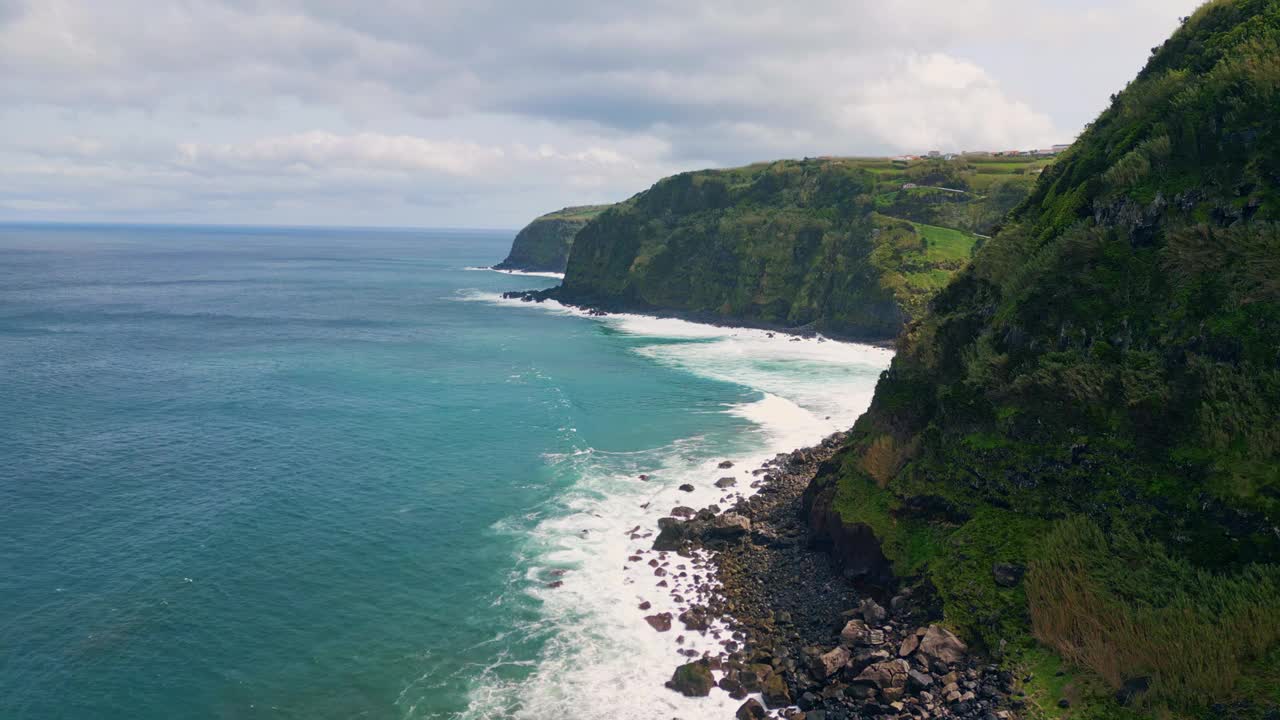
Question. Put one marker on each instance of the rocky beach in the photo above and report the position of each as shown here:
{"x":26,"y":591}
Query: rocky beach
{"x":801,"y":634}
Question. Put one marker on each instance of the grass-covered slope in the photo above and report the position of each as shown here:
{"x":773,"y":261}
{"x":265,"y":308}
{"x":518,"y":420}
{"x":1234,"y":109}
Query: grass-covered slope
{"x":543,"y":245}
{"x":1096,"y":399}
{"x":792,"y":244}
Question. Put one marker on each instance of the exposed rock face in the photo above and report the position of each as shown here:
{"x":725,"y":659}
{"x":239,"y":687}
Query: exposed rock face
{"x":801,"y":635}
{"x":692,"y":679}
{"x":543,"y":245}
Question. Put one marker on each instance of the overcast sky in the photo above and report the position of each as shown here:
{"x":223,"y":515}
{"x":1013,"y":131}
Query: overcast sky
{"x":485,"y":113}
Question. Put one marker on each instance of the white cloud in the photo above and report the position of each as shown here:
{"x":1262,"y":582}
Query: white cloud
{"x":462,"y":111}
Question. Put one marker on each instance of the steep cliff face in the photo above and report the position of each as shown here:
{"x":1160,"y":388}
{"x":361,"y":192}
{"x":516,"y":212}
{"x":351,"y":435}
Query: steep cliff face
{"x":790,"y":244}
{"x":1096,"y":398}
{"x":543,"y":245}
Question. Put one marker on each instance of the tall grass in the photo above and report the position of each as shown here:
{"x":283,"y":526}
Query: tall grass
{"x":1192,"y":633}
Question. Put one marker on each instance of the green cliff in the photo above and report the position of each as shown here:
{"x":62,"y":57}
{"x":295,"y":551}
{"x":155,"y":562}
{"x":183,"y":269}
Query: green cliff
{"x":543,"y":245}
{"x":1095,"y":402}
{"x":793,"y":244}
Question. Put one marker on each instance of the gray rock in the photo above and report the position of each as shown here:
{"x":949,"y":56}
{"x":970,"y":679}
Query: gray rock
{"x":830,"y":663}
{"x":854,"y":633}
{"x":942,"y":646}
{"x":729,"y":526}
{"x":887,"y":675}
{"x":872,"y":612}
{"x":725,"y":482}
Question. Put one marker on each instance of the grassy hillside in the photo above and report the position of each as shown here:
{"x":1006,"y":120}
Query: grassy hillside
{"x":794,"y":244}
{"x":543,"y":245}
{"x":1095,"y":400}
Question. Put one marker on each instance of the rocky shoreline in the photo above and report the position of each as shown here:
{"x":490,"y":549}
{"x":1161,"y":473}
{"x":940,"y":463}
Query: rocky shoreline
{"x":801,"y":639}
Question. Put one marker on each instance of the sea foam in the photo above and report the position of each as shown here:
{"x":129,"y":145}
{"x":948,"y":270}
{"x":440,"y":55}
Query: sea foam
{"x":600,"y":658}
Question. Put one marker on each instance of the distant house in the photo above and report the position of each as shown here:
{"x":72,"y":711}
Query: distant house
{"x":1060,"y":148}
{"x":935,"y":153}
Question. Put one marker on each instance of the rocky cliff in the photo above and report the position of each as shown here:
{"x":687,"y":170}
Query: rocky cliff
{"x":543,"y":245}
{"x":1077,"y":448}
{"x":796,"y":244}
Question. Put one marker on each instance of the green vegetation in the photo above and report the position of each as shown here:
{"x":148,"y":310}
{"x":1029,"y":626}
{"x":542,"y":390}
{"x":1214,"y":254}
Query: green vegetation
{"x":543,"y":245}
{"x":1096,"y":397}
{"x":797,"y":244}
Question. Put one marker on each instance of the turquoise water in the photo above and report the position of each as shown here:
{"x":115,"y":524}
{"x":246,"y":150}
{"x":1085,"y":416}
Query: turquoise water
{"x":328,"y":474}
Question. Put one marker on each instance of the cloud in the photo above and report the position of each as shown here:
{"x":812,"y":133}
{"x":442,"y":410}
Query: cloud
{"x":462,"y":97}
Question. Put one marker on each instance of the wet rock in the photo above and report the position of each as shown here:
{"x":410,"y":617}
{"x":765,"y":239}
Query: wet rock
{"x":726,"y":482}
{"x":671,"y":534}
{"x":725,"y":464}
{"x":687,"y":488}
{"x":660,"y":622}
{"x":682,"y":511}
{"x":692,"y":679}
{"x":942,"y":646}
{"x":751,"y":710}
{"x":695,"y":618}
{"x":775,"y":692}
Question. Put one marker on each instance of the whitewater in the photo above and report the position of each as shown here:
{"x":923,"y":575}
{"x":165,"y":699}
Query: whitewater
{"x":599,"y":658}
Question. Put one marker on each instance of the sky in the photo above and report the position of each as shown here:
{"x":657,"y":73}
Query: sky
{"x":487,"y":113}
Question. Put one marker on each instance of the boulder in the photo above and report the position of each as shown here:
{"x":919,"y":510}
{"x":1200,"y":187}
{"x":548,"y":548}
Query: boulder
{"x":919,"y":680}
{"x":671,"y":534}
{"x":682,"y":511}
{"x":909,"y":645}
{"x":730,"y":526}
{"x":687,"y":488}
{"x":695,"y":618}
{"x":754,"y":676}
{"x":726,"y":482}
{"x":1008,"y":574}
{"x":872,"y":612}
{"x":887,"y":675}
{"x":692,"y":679}
{"x":751,"y":710}
{"x":854,"y":633}
{"x":660,"y":622}
{"x":726,"y":464}
{"x":830,"y":663}
{"x":941,"y":645}
{"x":775,"y":692}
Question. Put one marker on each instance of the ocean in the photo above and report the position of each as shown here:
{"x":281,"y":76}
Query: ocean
{"x":302,"y":473}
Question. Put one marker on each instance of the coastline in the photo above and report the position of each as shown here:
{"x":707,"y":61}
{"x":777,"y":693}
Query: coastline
{"x":702,"y":318}
{"x":782,"y":609}
{"x":806,"y":638}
